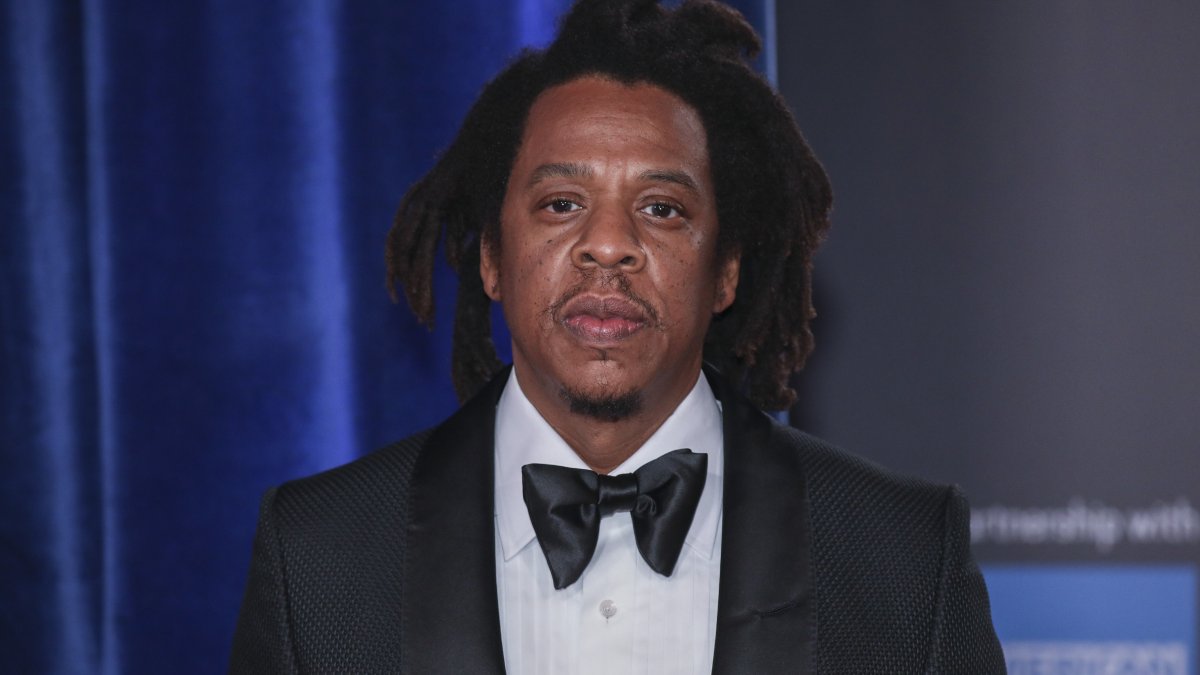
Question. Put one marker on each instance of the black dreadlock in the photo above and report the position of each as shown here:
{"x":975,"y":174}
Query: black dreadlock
{"x":773,"y":198}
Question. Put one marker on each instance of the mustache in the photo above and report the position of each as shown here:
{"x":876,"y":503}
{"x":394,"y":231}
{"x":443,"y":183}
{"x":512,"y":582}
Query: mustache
{"x":610,"y":282}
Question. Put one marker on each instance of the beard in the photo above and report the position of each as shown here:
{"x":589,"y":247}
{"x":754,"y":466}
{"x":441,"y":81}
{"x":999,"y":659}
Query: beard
{"x":604,"y":407}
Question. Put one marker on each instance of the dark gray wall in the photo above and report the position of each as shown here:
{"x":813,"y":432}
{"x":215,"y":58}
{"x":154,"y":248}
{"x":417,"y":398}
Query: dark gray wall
{"x":1010,"y":294}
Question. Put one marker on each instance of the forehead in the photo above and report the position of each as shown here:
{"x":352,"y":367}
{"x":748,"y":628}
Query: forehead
{"x":594,"y":114}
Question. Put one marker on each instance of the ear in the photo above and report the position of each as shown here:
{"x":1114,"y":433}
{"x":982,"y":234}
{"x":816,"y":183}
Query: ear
{"x":489,"y":269}
{"x":727,"y":281}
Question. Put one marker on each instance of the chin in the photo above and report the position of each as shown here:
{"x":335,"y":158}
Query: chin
{"x":603,"y":406}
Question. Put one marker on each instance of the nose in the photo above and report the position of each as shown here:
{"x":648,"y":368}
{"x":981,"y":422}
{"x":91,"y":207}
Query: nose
{"x":609,"y":241}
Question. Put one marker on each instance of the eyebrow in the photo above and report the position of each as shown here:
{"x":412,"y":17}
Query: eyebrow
{"x":667,"y":176}
{"x":575,"y":170}
{"x":559,"y":170}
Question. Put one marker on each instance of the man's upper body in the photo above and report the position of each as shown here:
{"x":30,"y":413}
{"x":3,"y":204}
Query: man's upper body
{"x":637,"y":200}
{"x":828,"y":564}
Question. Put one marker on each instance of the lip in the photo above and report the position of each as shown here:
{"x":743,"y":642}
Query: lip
{"x":603,"y":319}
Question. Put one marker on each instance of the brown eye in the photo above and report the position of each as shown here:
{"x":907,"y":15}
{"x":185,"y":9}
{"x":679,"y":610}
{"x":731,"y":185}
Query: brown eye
{"x":562,"y":206}
{"x":661,"y":210}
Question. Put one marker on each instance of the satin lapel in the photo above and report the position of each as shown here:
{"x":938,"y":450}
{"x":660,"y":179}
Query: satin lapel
{"x":451,"y":618}
{"x":765,"y":618}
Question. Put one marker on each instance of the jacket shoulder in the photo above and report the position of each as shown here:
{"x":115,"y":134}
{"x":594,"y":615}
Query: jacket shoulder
{"x":841,"y":481}
{"x":888,"y":553}
{"x":356,"y":492}
{"x":325,"y":587}
{"x":861,"y":511}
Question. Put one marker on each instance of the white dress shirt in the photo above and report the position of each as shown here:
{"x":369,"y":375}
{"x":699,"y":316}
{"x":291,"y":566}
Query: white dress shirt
{"x":620,"y":616}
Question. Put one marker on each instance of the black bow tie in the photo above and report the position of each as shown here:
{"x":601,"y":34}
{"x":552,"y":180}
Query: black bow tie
{"x":566,"y":506}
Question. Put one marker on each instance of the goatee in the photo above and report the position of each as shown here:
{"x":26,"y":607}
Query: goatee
{"x":605,"y":408}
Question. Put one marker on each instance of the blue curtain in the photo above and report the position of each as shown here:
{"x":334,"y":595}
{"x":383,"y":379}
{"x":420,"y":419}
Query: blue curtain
{"x":195,"y":197}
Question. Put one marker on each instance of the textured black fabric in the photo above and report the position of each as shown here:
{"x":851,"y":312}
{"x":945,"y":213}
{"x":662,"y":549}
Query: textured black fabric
{"x":896,"y":589}
{"x":324,"y":588}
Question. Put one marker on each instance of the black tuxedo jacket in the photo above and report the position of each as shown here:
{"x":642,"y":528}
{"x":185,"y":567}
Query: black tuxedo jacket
{"x":828,"y":563}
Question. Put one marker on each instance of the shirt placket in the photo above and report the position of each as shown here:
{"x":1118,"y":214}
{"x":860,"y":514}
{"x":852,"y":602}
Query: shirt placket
{"x":606,"y":621}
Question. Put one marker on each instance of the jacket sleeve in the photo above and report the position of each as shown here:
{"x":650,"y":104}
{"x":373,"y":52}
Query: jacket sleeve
{"x":261,"y":642}
{"x":964,"y":640}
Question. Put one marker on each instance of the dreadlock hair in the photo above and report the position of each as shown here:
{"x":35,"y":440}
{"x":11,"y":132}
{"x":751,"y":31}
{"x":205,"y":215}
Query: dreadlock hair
{"x":773,"y":198}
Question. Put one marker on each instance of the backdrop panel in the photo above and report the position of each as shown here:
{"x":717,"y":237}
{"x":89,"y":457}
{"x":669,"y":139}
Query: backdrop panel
{"x":1009,"y":295}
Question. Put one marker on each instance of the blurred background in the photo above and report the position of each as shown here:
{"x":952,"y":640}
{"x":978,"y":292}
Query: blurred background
{"x":192,"y":307}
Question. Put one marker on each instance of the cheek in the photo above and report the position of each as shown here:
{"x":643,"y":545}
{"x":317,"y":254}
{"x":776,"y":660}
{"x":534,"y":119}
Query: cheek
{"x":686,"y":280}
{"x":532,"y":266}
{"x":528,"y":281}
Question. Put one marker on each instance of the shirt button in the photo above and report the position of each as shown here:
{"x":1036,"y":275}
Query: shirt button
{"x":608,"y":609}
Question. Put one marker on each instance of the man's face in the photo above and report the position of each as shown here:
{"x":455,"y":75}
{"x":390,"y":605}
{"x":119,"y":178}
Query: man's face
{"x":607,"y":262}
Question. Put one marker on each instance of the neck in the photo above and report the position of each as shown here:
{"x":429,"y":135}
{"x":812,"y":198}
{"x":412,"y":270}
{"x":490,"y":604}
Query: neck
{"x":602,"y":444}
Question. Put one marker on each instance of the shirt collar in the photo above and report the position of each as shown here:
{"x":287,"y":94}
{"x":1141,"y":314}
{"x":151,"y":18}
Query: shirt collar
{"x":524,"y":437}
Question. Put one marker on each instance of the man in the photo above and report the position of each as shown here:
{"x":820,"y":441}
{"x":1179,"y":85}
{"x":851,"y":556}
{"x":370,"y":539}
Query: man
{"x":637,"y":199}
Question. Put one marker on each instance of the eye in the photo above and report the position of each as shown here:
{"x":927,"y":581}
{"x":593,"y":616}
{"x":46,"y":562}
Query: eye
{"x":661,"y":210}
{"x":561,"y":205}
